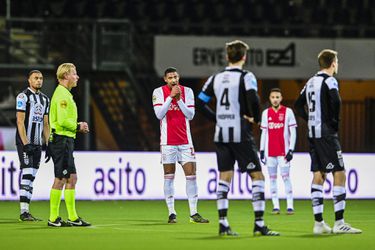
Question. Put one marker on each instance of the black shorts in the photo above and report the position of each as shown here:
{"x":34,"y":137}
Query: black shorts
{"x":29,"y":161}
{"x":326,"y":154}
{"x":245,"y":153}
{"x":62,"y":155}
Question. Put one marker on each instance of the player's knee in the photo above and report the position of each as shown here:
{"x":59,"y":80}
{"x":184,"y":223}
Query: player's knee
{"x":285,"y":177}
{"x":257,"y":176}
{"x":59,"y":183}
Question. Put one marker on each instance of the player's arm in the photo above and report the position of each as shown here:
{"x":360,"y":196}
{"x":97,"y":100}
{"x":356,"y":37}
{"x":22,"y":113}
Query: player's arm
{"x":335,"y":100}
{"x":252,"y":98}
{"x":300,"y":105}
{"x":187,"y":108}
{"x":204,"y":98}
{"x":160,"y":106}
{"x":21,"y":102}
{"x":46,"y":128}
{"x":21,"y":127}
{"x":292,"y":125}
{"x":264,"y":127}
{"x":64,"y":119}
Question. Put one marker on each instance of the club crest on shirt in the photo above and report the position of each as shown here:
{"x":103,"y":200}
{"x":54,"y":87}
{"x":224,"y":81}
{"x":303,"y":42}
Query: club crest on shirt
{"x":281,"y":117}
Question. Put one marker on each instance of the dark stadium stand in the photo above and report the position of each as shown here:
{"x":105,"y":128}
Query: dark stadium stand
{"x":214,"y":17}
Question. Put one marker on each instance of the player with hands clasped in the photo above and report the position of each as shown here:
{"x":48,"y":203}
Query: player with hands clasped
{"x":174,"y":107}
{"x":277,"y":144}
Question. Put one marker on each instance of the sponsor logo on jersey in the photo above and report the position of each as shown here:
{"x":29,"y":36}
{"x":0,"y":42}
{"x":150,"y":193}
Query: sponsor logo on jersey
{"x":174,"y":107}
{"x":275,"y":125}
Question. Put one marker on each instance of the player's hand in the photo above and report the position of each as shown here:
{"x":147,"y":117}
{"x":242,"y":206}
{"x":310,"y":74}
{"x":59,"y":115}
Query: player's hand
{"x":175,"y":92}
{"x":48,"y":154}
{"x":249,"y":119}
{"x":28,"y":149}
{"x":262,"y":157}
{"x":289,"y":156}
{"x":83,"y":127}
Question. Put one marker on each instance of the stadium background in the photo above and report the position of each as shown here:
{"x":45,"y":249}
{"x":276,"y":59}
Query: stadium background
{"x":112,"y":43}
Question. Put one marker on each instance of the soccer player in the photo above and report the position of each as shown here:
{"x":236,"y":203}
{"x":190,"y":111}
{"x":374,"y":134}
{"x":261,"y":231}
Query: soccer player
{"x":32,"y":130}
{"x":277,"y":145}
{"x":174,"y":107}
{"x":64,"y":126}
{"x":321,"y":98}
{"x":237,"y":103}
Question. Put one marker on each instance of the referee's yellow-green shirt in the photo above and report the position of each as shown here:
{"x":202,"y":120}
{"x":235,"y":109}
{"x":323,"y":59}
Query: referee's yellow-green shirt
{"x":63,"y":113}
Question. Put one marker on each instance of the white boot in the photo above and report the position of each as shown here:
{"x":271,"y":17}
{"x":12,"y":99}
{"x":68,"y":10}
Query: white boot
{"x":321,"y":228}
{"x":341,"y":227}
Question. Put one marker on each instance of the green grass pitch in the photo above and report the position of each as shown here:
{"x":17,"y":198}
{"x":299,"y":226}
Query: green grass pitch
{"x":142,"y":225}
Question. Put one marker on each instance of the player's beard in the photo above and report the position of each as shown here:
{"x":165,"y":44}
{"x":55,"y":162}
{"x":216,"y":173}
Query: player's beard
{"x":276,"y":107}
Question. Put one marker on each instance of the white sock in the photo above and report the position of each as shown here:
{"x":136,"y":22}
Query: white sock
{"x":274,"y":194}
{"x":339,"y":196}
{"x":317,"y":201}
{"x":222,"y":201}
{"x":169,"y":192}
{"x":25,"y":189}
{"x":259,"y":203}
{"x":288,"y":190}
{"x":192,"y":193}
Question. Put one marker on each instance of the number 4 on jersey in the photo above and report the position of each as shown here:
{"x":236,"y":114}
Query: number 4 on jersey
{"x":224,"y":100}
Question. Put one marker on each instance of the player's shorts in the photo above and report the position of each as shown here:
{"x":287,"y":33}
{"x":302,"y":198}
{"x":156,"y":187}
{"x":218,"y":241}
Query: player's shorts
{"x":29,"y":161}
{"x":275,"y":161}
{"x":171,"y":154}
{"x":245,"y":153}
{"x":326,"y":154}
{"x":62,"y":155}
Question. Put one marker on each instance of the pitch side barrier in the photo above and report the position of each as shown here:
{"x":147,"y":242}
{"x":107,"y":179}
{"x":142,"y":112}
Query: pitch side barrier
{"x":139,"y":176}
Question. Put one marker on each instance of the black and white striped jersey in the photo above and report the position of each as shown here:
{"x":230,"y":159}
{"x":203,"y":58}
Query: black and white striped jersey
{"x":321,"y":98}
{"x":236,"y":95}
{"x":36,"y":106}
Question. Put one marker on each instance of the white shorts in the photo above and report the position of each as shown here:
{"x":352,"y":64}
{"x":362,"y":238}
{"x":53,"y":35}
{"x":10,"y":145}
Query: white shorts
{"x":273,"y":162}
{"x":177,"y":153}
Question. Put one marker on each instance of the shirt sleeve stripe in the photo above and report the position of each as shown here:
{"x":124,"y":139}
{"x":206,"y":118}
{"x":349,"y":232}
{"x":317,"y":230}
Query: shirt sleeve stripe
{"x":158,"y":104}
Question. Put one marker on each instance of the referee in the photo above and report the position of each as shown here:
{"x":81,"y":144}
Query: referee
{"x":32,"y":126}
{"x":64,"y":126}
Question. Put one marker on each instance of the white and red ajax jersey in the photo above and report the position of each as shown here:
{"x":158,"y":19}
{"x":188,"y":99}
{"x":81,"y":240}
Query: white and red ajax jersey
{"x":174,"y":116}
{"x":277,"y":128}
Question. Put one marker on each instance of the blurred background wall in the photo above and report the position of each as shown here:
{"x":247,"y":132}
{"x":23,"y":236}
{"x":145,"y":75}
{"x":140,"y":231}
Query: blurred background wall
{"x":112,"y":43}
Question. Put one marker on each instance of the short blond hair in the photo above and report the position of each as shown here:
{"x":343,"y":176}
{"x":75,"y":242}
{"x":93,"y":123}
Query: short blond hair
{"x":63,"y":69}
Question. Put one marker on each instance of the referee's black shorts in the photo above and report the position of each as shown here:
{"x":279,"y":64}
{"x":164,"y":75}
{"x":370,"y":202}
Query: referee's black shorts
{"x":29,"y":161}
{"x":245,"y":153}
{"x":62,"y":155}
{"x":326,"y":154}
